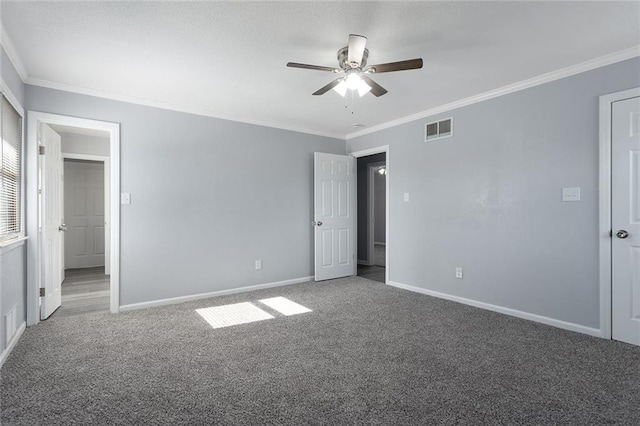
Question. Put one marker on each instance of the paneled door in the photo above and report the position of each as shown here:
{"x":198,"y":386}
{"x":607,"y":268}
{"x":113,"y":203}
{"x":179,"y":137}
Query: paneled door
{"x":334,"y":216}
{"x":625,"y":217}
{"x":84,"y":214}
{"x":52,"y":228}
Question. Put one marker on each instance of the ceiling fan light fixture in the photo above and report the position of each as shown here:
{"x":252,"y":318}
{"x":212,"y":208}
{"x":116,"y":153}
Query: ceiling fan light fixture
{"x":352,"y":61}
{"x":363,"y":88}
{"x":341,"y":88}
{"x":353,"y":81}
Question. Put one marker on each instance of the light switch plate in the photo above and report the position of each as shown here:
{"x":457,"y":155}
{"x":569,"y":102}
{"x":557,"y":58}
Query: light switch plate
{"x":406,"y":197}
{"x":571,"y":194}
{"x":459,"y":272}
{"x":125,"y":198}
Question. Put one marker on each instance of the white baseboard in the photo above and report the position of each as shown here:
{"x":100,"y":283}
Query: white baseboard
{"x":502,"y":310}
{"x":181,"y":299}
{"x":12,"y":343}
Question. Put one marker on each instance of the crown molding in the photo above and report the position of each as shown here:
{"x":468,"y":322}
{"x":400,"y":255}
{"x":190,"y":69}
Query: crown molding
{"x":12,"y":53}
{"x":522,"y":85}
{"x":505,"y":90}
{"x":13,"y":100}
{"x":174,"y":107}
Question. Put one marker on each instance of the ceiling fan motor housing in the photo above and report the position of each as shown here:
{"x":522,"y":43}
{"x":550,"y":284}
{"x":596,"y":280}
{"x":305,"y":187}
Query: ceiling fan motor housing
{"x":343,"y":59}
{"x":352,"y":60}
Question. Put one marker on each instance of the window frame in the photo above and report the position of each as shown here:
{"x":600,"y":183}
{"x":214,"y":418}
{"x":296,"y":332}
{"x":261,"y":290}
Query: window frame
{"x":13,"y":238}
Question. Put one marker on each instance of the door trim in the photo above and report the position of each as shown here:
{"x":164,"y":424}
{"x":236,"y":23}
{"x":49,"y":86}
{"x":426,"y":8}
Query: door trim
{"x":604,"y":237}
{"x":34,"y":247}
{"x":371,"y":151}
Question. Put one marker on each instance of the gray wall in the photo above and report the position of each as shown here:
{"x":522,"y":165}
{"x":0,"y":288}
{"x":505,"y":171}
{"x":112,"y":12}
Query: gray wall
{"x":84,"y":144}
{"x":11,"y":77}
{"x":208,"y":197}
{"x":363,"y":194}
{"x":13,"y":288}
{"x":489,"y":198}
{"x":12,"y":262}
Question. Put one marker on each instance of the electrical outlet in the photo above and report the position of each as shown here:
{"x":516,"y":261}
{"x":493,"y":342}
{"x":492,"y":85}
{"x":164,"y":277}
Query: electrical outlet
{"x":459,"y":273}
{"x":406,"y":197}
{"x":571,"y":194}
{"x":258,"y":265}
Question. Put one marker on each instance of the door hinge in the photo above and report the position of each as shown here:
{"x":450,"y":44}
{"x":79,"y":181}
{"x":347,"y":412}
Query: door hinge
{"x":40,"y":149}
{"x":42,"y":292}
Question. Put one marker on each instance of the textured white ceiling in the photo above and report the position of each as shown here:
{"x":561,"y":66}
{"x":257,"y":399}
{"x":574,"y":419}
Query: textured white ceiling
{"x":227,"y":59}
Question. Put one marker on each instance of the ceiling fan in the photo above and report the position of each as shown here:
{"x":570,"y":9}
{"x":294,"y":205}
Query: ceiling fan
{"x":353,"y":63}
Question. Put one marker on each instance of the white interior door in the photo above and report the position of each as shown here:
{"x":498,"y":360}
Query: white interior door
{"x":625,"y":216}
{"x":52,"y":225}
{"x":335,"y":216}
{"x":84,"y":212}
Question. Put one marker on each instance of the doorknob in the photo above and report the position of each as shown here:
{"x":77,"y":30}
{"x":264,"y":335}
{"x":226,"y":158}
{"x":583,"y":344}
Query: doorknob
{"x":319,"y":223}
{"x":622,"y":234}
{"x":62,"y":227}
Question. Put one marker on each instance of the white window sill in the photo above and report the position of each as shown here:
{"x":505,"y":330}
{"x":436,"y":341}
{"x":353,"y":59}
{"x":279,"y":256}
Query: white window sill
{"x":14,"y":243}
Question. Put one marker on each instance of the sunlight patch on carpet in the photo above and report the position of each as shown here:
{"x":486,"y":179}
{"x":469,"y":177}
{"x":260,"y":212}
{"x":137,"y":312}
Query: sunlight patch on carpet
{"x":285,"y":306}
{"x":234,"y":314}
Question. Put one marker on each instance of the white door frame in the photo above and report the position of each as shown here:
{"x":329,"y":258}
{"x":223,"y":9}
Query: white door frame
{"x":371,"y":151}
{"x":107,"y":197}
{"x":371,"y":198}
{"x":34,"y":246}
{"x":605,"y":242}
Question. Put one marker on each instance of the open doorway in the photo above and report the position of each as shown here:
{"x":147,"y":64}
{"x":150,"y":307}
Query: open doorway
{"x":85,"y":212}
{"x":372,"y":216}
{"x":76,"y":225}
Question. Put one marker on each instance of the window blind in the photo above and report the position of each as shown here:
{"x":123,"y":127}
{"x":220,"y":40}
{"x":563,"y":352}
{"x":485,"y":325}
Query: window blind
{"x":10,"y":171}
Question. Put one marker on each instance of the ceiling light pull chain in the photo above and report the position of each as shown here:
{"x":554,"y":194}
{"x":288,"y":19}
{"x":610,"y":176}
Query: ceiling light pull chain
{"x":353,"y":103}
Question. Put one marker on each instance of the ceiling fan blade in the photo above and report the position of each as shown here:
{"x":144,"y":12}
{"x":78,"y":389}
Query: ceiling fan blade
{"x":312,"y":67}
{"x":357,"y":44}
{"x":328,"y":87}
{"x":376,"y":89}
{"x":410,"y":64}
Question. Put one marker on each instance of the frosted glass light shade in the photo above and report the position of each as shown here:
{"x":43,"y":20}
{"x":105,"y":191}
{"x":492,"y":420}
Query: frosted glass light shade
{"x":341,"y":88}
{"x":353,"y":81}
{"x":363,"y":88}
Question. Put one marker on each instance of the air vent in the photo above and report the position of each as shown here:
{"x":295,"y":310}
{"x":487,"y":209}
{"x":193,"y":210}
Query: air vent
{"x":438,"y":130}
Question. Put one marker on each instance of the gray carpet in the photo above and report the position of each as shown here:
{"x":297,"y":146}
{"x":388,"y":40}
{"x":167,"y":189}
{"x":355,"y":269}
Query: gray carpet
{"x":367,"y":354}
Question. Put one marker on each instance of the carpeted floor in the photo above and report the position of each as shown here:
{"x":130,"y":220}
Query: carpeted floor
{"x":367,"y":354}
